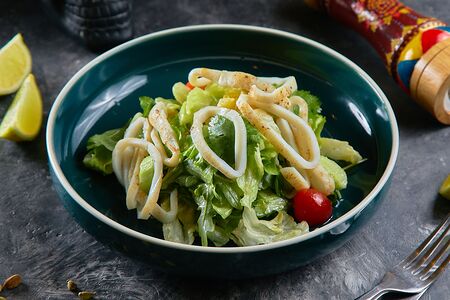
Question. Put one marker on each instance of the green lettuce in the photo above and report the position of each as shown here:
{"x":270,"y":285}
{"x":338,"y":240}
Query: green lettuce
{"x":229,"y":190}
{"x":269,"y":157}
{"x":146,"y":104}
{"x":195,"y":100}
{"x":249,"y":182}
{"x":195,"y":165}
{"x":253,"y":231}
{"x":182,"y":229}
{"x":219,"y":134}
{"x":336,"y":172}
{"x":171,"y":176}
{"x":146,"y":172}
{"x":99,"y":150}
{"x":180,"y":92}
{"x":315,"y":119}
{"x":339,"y":150}
{"x":203,"y":196}
{"x":267,"y":203}
{"x":216,"y":91}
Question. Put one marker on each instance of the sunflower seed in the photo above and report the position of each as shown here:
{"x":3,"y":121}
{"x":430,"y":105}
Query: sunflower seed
{"x":12,"y":282}
{"x":71,"y":286}
{"x":85,"y":295}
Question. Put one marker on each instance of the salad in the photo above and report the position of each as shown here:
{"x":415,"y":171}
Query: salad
{"x":231,"y":159}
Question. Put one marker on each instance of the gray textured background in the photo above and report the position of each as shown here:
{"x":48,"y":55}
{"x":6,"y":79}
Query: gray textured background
{"x":39,"y":239}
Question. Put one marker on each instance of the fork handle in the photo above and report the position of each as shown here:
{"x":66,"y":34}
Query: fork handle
{"x":375,"y":293}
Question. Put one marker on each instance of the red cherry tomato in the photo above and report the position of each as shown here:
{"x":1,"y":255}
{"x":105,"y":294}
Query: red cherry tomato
{"x":189,"y":85}
{"x":312,"y":206}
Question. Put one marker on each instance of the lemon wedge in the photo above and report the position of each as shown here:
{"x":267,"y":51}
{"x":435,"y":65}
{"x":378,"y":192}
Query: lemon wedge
{"x":15,"y":65}
{"x":24,"y":117}
{"x":445,"y":188}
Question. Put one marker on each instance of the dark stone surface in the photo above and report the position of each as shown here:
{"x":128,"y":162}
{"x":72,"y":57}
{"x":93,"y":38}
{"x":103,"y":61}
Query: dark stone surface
{"x":39,"y":240}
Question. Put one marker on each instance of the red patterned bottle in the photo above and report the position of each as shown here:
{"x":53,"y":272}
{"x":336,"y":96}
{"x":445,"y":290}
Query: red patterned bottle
{"x":414,"y":48}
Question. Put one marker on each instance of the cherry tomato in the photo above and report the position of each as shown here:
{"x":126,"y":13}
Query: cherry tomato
{"x":312,"y":206}
{"x":189,"y":85}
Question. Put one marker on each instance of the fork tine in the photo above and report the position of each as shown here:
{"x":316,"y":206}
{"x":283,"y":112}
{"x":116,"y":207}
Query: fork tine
{"x":438,"y":271}
{"x":417,"y":265}
{"x":416,"y":253}
{"x":435,"y":259}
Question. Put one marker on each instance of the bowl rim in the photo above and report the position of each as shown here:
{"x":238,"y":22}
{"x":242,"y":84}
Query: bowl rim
{"x":53,"y":162}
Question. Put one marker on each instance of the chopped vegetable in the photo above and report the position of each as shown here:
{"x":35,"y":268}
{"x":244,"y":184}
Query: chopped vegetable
{"x":146,"y":170}
{"x":338,"y":174}
{"x":339,"y":150}
{"x":312,"y":206}
{"x":100,"y":147}
{"x":445,"y":188}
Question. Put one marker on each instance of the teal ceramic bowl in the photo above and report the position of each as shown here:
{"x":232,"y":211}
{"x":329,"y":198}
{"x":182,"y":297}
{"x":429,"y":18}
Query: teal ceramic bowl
{"x":104,"y":94}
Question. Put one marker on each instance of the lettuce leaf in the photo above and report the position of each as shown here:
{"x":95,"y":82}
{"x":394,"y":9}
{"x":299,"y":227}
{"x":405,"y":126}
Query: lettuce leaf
{"x":219,"y":134}
{"x":336,"y":172}
{"x":146,"y":172}
{"x":180,"y":92}
{"x":100,"y":147}
{"x":195,"y":100}
{"x":249,"y":182}
{"x":217,"y":91}
{"x":269,"y":157}
{"x":171,"y":176}
{"x":252,"y":231}
{"x":203,"y":196}
{"x":229,"y":190}
{"x":267,"y":203}
{"x":146,"y":104}
{"x":222,"y":206}
{"x":339,"y":150}
{"x":183,"y":228}
{"x":195,"y":165}
{"x":315,"y":119}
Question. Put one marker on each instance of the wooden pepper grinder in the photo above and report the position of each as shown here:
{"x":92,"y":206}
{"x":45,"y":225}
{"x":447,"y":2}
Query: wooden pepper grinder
{"x":415,"y":49}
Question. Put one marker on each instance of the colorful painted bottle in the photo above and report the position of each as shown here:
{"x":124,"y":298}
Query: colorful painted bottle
{"x":414,"y":48}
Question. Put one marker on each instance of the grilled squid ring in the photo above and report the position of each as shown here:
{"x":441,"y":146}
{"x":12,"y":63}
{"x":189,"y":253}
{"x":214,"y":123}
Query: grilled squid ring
{"x":165,"y":216}
{"x":122,"y":162}
{"x":280,"y":95}
{"x":240,"y":143}
{"x":276,"y":139}
{"x":298,"y":180}
{"x":321,"y":180}
{"x":303,"y":106}
{"x":200,"y":77}
{"x":134,"y":156}
{"x":158,"y":119}
{"x":203,"y":76}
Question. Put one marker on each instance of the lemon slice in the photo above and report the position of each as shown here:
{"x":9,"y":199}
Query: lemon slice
{"x":15,"y":65}
{"x":24,"y":117}
{"x":445,"y":188}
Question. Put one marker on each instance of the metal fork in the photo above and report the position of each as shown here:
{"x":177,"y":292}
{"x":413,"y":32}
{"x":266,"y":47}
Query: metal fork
{"x":420,"y":269}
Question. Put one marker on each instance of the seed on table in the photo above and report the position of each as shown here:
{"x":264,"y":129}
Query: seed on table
{"x":71,"y":286}
{"x":85,"y":295}
{"x":12,"y":282}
